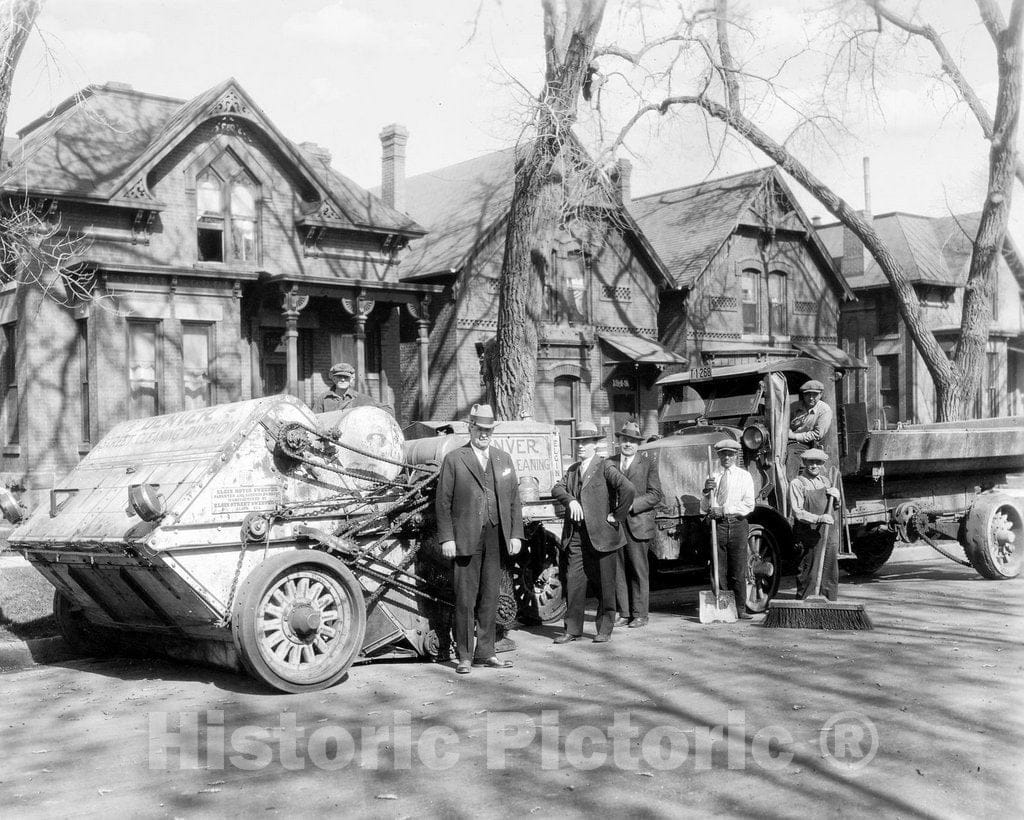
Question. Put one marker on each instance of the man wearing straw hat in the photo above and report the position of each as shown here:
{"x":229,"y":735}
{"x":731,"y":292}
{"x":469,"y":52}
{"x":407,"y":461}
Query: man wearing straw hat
{"x":729,"y":498}
{"x":596,"y":497}
{"x":633,"y":573}
{"x":811,"y":499}
{"x":478,"y":509}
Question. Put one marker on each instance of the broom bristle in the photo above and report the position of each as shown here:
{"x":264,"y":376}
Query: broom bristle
{"x":816,"y":616}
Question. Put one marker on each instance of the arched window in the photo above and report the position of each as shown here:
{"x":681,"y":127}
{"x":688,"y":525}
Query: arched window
{"x":750,"y":300}
{"x":227,"y":212}
{"x":566,"y":412}
{"x":778,"y":321}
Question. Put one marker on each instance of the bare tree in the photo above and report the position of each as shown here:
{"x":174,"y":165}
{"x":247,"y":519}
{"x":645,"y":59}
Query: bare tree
{"x":719,"y":94}
{"x":17,"y":17}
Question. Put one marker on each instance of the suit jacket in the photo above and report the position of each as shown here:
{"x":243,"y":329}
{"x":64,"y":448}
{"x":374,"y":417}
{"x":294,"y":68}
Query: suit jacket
{"x":461,"y":506}
{"x":643,"y":475}
{"x":601,"y":491}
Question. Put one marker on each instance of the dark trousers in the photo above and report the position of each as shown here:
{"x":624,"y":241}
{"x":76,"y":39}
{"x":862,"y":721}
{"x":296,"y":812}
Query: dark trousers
{"x":732,"y":558}
{"x":807,"y":538}
{"x":583,"y":563}
{"x":476,"y":596}
{"x":632,"y":586}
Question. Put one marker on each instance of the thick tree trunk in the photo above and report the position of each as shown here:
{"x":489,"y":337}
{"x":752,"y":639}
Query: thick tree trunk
{"x":16,"y":20}
{"x":570,"y":30}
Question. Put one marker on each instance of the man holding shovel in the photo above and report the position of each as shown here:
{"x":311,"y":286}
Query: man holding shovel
{"x":729,"y":498}
{"x":812,"y":498}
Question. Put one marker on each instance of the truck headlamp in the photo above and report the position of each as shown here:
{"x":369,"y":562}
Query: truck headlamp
{"x":754,"y":437}
{"x":146,"y":502}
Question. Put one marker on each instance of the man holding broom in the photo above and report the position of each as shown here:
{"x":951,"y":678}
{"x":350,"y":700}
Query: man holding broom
{"x":812,"y":499}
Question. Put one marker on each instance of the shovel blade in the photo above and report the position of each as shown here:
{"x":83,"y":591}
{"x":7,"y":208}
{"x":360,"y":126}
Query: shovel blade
{"x":719,"y":608}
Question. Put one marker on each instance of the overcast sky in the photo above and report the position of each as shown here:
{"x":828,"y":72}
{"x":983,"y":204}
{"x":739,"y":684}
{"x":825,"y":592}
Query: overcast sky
{"x":336,"y":72}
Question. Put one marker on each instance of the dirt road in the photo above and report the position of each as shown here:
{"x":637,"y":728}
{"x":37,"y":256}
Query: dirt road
{"x":920,"y":717}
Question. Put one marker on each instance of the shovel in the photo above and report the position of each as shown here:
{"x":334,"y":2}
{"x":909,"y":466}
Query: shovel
{"x":716,"y":606}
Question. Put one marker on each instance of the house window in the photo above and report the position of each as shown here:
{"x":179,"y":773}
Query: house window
{"x":226,"y":210}
{"x":567,"y":401}
{"x":565,"y":288}
{"x":993,"y":385}
{"x":888,"y":315}
{"x":777,"y":313}
{"x":9,"y":361}
{"x":196,"y":365}
{"x":889,"y":387}
{"x":143,"y":369}
{"x":748,"y":293}
{"x":83,"y":379}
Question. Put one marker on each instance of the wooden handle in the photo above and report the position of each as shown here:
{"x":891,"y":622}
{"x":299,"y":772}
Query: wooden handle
{"x":714,"y":537}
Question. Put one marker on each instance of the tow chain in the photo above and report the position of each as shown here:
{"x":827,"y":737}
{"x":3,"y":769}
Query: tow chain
{"x":247,"y":526}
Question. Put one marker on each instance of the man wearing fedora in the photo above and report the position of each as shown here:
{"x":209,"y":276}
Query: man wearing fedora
{"x":596,"y":497}
{"x":342,"y":395}
{"x":633,"y":574}
{"x":478,"y":509}
{"x":729,"y":499}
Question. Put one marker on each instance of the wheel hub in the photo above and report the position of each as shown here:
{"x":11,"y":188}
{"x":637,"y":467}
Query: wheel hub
{"x":304,"y":620}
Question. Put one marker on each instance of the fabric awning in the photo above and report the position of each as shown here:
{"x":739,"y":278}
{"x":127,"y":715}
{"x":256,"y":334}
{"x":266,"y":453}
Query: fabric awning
{"x":830,"y":354}
{"x":640,"y":350}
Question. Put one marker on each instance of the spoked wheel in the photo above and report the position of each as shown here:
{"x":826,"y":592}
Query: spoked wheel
{"x":538,"y":584}
{"x":763,"y":567}
{"x":299,"y":621}
{"x":992,"y":536}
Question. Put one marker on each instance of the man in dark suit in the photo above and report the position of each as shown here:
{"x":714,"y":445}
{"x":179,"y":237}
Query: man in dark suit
{"x":478,"y":509}
{"x":596,"y":497}
{"x":633,"y":575}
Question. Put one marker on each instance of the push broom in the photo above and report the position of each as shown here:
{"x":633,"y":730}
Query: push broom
{"x":816,"y":611}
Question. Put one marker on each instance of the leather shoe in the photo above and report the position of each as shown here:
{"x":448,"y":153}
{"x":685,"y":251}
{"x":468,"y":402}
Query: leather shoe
{"x":621,"y":620}
{"x":636,"y":623}
{"x":492,"y":662}
{"x":566,"y":638}
{"x":744,"y":616}
{"x":462,"y":668}
{"x":601,"y":638}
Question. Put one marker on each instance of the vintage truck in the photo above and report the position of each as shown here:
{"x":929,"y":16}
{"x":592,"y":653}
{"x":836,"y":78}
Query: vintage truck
{"x":963,"y":480}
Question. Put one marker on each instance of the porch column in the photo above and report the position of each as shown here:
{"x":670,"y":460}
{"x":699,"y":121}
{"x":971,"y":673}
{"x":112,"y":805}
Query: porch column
{"x":293,"y":304}
{"x":421,"y":313}
{"x":359,"y":307}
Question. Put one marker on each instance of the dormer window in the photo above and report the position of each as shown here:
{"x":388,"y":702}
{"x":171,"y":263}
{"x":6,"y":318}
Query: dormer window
{"x":226,"y":214}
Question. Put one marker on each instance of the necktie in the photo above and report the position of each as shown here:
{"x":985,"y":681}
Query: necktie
{"x":723,"y":489}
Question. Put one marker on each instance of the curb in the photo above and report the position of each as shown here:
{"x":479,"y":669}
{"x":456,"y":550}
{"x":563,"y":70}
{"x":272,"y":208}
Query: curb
{"x":18,"y":655}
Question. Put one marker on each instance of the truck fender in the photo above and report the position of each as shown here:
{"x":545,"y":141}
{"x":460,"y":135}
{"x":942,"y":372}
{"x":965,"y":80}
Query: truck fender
{"x":771,"y":519}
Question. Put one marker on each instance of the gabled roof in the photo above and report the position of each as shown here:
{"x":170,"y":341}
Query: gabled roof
{"x":464,"y":204}
{"x":99,"y":145}
{"x":930,"y":250}
{"x":688,"y":226}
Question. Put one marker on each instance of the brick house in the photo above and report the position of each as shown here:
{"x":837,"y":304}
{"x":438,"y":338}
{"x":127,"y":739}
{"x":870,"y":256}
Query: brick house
{"x":599,"y":351}
{"x":224,"y":262}
{"x":935,"y":254}
{"x":751,"y":279}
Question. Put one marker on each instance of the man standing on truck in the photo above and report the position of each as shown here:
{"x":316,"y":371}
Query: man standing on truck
{"x":633,"y":571}
{"x":342,"y":395}
{"x":812,"y":501}
{"x":596,"y":497}
{"x":809,"y":420}
{"x":729,"y":498}
{"x":478,"y":509}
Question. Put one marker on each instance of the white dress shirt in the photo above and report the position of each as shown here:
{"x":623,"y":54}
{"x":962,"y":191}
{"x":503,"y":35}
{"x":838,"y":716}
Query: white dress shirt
{"x":738,"y":496}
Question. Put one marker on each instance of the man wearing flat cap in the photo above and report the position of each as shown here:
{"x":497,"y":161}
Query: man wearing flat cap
{"x":596,"y":498}
{"x":812,"y":504}
{"x":342,"y":395}
{"x":809,"y":420}
{"x":633,"y":572}
{"x":729,"y":498}
{"x":478,"y":511}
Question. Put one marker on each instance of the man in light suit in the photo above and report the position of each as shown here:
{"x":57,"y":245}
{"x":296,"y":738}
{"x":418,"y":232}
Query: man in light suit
{"x":633,"y":575}
{"x":478,"y":509}
{"x":596,"y":497}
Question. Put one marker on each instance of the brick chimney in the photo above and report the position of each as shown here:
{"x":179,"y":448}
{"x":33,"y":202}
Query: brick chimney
{"x":625,"y":180}
{"x":854,"y":252}
{"x":392,"y":184}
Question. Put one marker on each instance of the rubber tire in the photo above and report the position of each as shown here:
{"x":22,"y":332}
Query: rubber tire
{"x":873,"y":548}
{"x":250,"y":596}
{"x":768,"y":545}
{"x":977,"y":536}
{"x":79,"y":632}
{"x":539,"y":557}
